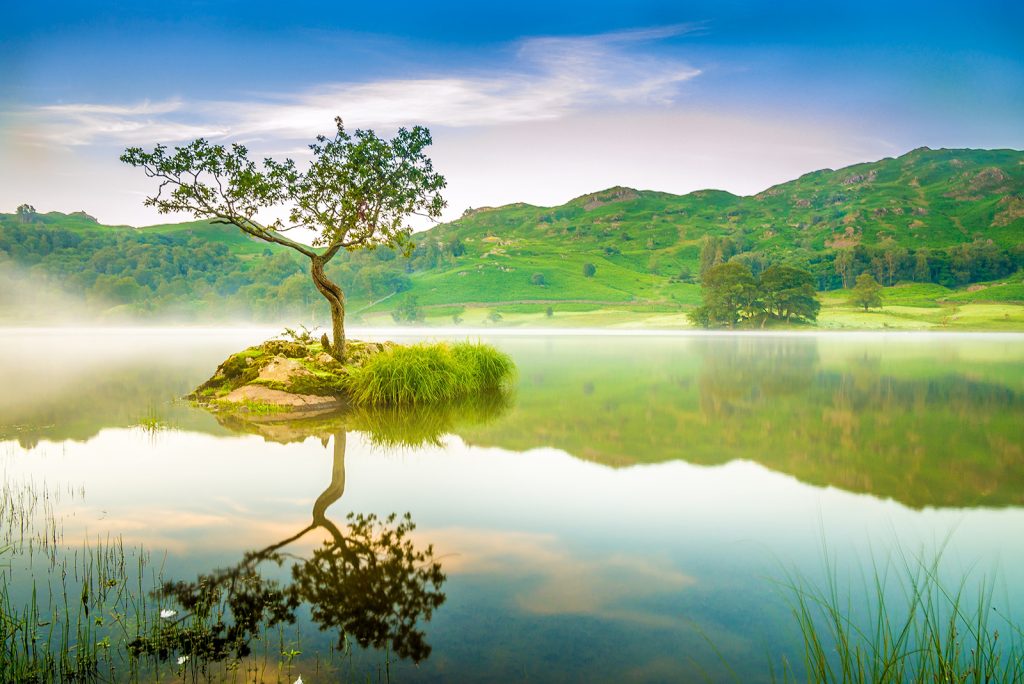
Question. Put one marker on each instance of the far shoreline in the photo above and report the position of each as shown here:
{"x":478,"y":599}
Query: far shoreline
{"x":377,"y":333}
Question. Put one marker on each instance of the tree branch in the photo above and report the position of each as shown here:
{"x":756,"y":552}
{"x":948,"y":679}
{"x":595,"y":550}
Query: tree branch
{"x":256,"y":230}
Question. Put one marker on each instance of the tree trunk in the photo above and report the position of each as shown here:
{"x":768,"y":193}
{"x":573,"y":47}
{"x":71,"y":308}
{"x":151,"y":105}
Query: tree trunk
{"x":337,"y":486}
{"x":336,"y":298}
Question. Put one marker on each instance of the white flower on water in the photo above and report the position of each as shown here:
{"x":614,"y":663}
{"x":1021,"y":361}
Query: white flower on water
{"x":182,"y":660}
{"x":167,"y":613}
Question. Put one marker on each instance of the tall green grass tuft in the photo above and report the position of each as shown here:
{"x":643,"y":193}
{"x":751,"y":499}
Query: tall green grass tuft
{"x":907,"y":626}
{"x":429,"y":374}
{"x":488,"y":367}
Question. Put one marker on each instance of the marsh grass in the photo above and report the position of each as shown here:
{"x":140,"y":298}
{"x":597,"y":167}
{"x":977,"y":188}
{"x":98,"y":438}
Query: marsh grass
{"x":429,"y":374}
{"x":78,"y":612}
{"x":905,"y":625}
{"x":151,"y":423}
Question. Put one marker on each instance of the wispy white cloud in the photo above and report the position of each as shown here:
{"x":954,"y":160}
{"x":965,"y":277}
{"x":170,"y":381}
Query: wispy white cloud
{"x":139,"y":109}
{"x":550,"y":78}
{"x":85,"y":123}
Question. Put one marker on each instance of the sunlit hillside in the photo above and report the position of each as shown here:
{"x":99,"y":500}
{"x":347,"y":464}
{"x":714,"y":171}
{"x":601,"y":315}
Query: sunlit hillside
{"x":951,"y":221}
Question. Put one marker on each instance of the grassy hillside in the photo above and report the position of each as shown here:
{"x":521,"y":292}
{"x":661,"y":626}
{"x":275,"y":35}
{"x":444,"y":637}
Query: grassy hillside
{"x":945,"y":227}
{"x":640,"y":240}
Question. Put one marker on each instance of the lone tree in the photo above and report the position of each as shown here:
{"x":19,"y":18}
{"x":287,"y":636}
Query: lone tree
{"x":867,"y":292}
{"x":356,"y":193}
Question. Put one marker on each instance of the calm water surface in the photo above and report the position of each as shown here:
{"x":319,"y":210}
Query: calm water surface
{"x":628,"y":516}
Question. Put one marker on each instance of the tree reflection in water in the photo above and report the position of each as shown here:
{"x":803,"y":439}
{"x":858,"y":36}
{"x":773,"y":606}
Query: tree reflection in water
{"x":368,"y":580}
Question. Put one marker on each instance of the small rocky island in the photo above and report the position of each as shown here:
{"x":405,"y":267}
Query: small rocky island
{"x":299,"y":376}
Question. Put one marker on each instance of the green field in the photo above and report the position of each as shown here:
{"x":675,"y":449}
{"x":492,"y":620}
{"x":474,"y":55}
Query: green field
{"x":943,"y":229}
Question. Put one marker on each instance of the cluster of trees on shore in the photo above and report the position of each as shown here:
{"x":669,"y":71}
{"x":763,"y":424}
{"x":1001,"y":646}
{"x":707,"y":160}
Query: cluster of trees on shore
{"x":733,"y":295}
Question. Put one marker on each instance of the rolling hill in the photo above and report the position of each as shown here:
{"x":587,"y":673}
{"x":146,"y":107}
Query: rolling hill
{"x":951,"y":221}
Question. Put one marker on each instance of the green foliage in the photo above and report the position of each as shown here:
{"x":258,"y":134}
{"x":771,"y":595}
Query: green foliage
{"x":455,"y":247}
{"x":876,"y":217}
{"x":190,"y":271}
{"x":26,"y":213}
{"x":715,"y":250}
{"x":729,"y":291}
{"x":866,"y":292}
{"x":429,"y":373}
{"x":302,"y":335}
{"x":357,"y":191}
{"x":413,"y":426}
{"x":537,"y":279}
{"x":589,"y":270}
{"x":488,"y":368}
{"x":941,"y":217}
{"x":408,"y":311}
{"x":732,"y":293}
{"x":789,"y":293}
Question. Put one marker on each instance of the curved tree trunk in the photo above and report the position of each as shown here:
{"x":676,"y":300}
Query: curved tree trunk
{"x":337,"y":487}
{"x":336,"y":298}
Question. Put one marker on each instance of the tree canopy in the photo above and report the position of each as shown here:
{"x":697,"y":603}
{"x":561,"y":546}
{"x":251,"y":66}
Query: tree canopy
{"x":789,"y":293}
{"x":733,"y":294}
{"x":867,"y":292}
{"x":356,"y":192}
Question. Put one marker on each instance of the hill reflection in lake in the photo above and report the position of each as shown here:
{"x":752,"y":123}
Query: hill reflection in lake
{"x":908,"y":417}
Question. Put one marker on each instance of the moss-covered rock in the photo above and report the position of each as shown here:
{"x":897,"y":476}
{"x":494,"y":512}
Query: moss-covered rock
{"x":287,"y":368}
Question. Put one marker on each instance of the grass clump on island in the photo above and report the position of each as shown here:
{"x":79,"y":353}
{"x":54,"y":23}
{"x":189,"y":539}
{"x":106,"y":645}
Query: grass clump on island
{"x":276,"y":372}
{"x":429,"y":373}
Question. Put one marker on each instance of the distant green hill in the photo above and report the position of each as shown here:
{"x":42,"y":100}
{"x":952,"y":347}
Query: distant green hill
{"x":945,"y":218}
{"x":926,"y":199}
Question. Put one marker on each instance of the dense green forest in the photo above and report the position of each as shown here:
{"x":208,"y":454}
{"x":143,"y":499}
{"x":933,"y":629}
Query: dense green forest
{"x":947,"y":217}
{"x":188,"y":270}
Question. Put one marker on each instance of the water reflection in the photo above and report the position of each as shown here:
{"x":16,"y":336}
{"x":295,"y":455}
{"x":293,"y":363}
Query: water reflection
{"x":385,"y":426}
{"x":928,"y":422}
{"x":368,"y":580}
{"x":922,"y":423}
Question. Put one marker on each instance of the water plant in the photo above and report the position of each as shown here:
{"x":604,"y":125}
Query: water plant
{"x":906,"y":625}
{"x":102,"y":611}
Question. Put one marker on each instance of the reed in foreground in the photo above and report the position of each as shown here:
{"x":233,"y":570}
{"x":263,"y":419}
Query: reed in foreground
{"x":906,"y":626}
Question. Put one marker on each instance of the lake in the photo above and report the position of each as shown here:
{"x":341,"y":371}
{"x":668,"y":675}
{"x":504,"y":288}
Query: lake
{"x":636,"y":510}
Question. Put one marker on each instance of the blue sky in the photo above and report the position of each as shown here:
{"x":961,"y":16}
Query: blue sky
{"x":535,"y":101}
